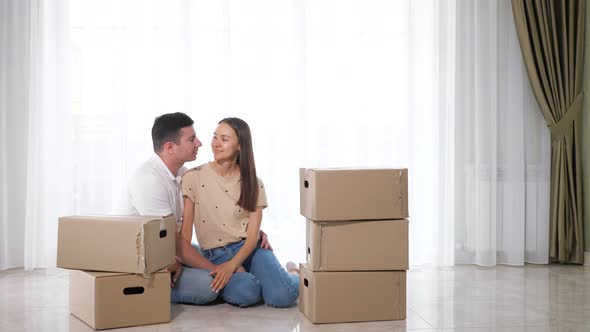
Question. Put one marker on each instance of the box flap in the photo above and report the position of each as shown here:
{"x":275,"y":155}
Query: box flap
{"x":159,"y":243}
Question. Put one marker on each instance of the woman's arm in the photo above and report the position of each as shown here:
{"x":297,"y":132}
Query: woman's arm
{"x":224,"y":271}
{"x":185,"y":252}
{"x":252,"y":235}
{"x":189,"y":256}
{"x":188,"y":216}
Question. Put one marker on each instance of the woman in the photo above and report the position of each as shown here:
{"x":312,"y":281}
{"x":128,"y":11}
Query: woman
{"x":223,"y":200}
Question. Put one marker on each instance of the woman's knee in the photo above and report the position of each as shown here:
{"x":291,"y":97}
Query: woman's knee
{"x":249,"y":296}
{"x":243,"y":290}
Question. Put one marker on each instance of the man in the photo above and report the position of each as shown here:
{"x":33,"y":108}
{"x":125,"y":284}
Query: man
{"x":154,"y":189}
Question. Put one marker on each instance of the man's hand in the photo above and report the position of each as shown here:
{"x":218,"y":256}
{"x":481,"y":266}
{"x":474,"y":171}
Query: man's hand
{"x":175,"y":271}
{"x":264,"y":244}
{"x":222,"y":273}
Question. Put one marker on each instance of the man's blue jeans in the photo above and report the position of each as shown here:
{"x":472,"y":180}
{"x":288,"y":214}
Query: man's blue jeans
{"x":265,"y":280}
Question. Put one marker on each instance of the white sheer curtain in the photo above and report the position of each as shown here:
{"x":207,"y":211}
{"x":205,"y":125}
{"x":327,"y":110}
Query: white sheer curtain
{"x":14,"y":30}
{"x":322,"y":83}
{"x":502,"y":150}
{"x":35,"y":148}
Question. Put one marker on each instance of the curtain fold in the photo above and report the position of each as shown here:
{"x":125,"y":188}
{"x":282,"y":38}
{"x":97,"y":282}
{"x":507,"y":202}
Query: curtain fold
{"x":14,"y":82}
{"x":551,"y":35}
{"x":49,"y":163}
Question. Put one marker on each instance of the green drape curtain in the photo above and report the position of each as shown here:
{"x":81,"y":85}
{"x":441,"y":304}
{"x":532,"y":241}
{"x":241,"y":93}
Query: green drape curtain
{"x":551,"y":36}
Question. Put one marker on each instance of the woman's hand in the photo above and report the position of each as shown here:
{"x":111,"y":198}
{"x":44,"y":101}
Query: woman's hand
{"x":222,"y":273}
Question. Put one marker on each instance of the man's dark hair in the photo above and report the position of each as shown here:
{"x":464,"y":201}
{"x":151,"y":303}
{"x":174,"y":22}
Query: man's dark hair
{"x":167,"y":127}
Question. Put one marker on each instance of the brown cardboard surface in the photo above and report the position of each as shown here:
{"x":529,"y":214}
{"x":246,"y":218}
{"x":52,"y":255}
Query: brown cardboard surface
{"x":337,"y":297}
{"x":116,"y":243}
{"x":99,"y":299}
{"x":353,"y":194}
{"x":357,"y":245}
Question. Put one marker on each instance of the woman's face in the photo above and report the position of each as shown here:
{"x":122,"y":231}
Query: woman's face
{"x":225,"y":144}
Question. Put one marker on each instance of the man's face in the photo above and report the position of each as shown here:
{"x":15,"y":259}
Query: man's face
{"x":188,"y":145}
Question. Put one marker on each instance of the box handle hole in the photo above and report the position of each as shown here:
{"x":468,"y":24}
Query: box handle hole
{"x":163,"y":233}
{"x":133,"y":290}
{"x":308,"y":251}
{"x":306,"y":184}
{"x":305,"y":282}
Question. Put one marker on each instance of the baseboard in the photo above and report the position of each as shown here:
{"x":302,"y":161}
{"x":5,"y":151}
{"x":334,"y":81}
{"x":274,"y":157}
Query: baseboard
{"x":586,"y":258}
{"x":22,"y":267}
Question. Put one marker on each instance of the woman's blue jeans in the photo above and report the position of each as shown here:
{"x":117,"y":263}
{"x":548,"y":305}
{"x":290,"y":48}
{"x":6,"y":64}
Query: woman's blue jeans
{"x":265,"y":280}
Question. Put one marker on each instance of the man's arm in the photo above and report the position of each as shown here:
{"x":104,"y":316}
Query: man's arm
{"x":149,"y":197}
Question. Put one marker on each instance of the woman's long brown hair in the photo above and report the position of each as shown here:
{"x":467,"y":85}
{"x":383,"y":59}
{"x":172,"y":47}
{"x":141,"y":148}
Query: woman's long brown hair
{"x":248,"y":182}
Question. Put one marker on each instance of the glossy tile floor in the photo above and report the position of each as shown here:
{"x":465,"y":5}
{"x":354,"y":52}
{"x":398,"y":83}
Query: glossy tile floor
{"x":462,"y":298}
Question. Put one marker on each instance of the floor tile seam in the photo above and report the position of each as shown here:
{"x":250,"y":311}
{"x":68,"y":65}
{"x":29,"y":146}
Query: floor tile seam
{"x":420,"y":316}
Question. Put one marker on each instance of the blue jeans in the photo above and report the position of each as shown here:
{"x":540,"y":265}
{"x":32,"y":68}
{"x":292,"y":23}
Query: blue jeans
{"x":265,"y":280}
{"x":193,"y":286}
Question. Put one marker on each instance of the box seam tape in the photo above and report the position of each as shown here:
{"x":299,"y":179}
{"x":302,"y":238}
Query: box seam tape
{"x":141,"y":260}
{"x":321,"y":249}
{"x":312,"y":209}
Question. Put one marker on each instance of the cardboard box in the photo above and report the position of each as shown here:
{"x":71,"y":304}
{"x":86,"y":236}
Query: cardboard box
{"x":107,"y":300}
{"x":338,"y":297}
{"x":353,"y":194}
{"x":116,"y":243}
{"x":357,"y":245}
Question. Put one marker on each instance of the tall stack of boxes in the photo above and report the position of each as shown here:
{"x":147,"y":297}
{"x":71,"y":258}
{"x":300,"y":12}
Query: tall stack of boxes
{"x":357,"y":244}
{"x":117,"y":278}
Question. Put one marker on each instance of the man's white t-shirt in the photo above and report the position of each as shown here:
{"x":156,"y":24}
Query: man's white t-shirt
{"x":154,"y":191}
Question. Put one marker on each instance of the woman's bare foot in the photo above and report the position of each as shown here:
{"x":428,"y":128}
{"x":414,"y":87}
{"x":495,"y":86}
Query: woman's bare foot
{"x":292,"y":268}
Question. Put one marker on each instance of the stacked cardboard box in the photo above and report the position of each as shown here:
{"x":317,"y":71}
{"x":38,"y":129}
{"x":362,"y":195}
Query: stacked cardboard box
{"x":117,"y":261}
{"x":357,"y":244}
